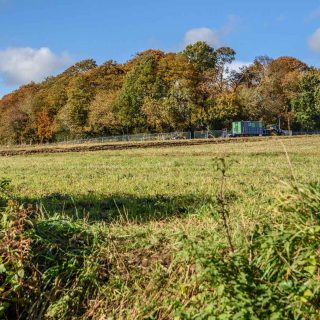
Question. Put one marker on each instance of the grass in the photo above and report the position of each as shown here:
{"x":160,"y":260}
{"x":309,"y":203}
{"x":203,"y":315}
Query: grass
{"x":159,"y":181}
{"x":128,"y":233}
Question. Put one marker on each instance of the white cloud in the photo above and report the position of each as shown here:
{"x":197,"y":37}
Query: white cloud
{"x":210,"y":36}
{"x":22,"y":65}
{"x":237,"y":65}
{"x":213,"y":37}
{"x":314,"y":41}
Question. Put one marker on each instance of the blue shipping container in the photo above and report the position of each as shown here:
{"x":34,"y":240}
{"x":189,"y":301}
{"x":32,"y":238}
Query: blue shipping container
{"x":247,"y":128}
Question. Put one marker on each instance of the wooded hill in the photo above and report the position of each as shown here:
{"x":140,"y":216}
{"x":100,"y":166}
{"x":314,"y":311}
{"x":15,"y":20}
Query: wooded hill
{"x":160,"y":92}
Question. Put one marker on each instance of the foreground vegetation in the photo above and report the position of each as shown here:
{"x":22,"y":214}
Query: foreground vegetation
{"x":140,"y":234}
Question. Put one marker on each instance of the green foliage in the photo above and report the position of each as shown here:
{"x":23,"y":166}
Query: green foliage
{"x":80,"y":93}
{"x":80,"y":67}
{"x":225,"y":55}
{"x":4,"y":184}
{"x":5,"y":189}
{"x":139,"y":84}
{"x":71,"y":268}
{"x":275,"y":277}
{"x":181,"y":107}
{"x":201,"y":54}
{"x":47,"y":266}
{"x":306,"y":103}
{"x":223,"y":109}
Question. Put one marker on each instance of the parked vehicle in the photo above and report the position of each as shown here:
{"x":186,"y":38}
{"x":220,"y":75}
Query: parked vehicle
{"x":274,"y":129}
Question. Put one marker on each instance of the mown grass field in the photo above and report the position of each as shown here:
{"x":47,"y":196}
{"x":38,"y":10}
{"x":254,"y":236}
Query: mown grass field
{"x":151,"y":212}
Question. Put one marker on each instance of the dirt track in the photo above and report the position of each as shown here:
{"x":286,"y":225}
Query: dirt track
{"x":131,"y":145}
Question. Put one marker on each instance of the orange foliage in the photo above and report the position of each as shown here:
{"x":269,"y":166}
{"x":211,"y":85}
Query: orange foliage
{"x":44,"y":126}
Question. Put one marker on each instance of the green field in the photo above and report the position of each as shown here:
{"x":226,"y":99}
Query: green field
{"x":128,"y":231}
{"x":148,"y":184}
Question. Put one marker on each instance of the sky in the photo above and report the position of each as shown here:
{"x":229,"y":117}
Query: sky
{"x":39,"y":38}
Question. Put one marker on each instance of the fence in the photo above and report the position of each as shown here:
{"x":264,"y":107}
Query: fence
{"x":304,"y":133}
{"x":205,"y":134}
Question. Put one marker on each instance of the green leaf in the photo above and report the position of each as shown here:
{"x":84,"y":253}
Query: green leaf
{"x":308,"y":293}
{"x":313,"y":260}
{"x":21,"y":273}
{"x":2,"y":268}
{"x":275,"y":316}
{"x":310,"y":269}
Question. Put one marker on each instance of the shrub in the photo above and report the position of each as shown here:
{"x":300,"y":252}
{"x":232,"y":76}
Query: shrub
{"x":277,"y":277}
{"x":49,"y":267}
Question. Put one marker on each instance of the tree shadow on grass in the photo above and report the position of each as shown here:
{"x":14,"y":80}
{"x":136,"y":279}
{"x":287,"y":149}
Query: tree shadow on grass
{"x":117,"y":207}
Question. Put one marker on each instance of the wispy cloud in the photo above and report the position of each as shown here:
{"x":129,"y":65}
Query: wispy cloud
{"x":230,"y":26}
{"x":22,"y":65}
{"x":314,"y":41}
{"x":315,"y":14}
{"x":281,"y":18}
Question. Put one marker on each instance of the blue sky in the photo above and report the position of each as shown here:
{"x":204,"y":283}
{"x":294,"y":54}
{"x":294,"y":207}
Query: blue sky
{"x":41,"y":37}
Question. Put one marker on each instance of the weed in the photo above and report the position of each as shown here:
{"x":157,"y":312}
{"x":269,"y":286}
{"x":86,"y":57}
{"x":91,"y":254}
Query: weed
{"x":222,"y":166}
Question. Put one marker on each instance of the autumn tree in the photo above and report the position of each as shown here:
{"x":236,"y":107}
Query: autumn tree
{"x":102,"y":116}
{"x":44,"y":125}
{"x":80,"y":68}
{"x":252,"y":75}
{"x":157,"y":91}
{"x":16,"y":115}
{"x":267,"y":87}
{"x":107,"y":76}
{"x":212,"y":77}
{"x":176,"y":103}
{"x":56,"y":98}
{"x":224,"y":109}
{"x":279,"y":87}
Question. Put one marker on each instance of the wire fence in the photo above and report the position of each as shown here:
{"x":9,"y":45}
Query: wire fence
{"x":151,"y":137}
{"x":205,"y":134}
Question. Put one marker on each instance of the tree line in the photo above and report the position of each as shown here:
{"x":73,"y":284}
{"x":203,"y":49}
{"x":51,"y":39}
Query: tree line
{"x":161,"y":92}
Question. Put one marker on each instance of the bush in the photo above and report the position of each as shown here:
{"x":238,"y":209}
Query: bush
{"x":276,"y":277}
{"x":56,"y":268}
{"x":49,"y":267}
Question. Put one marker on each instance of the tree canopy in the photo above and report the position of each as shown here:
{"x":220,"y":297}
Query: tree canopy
{"x":157,"y":91}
